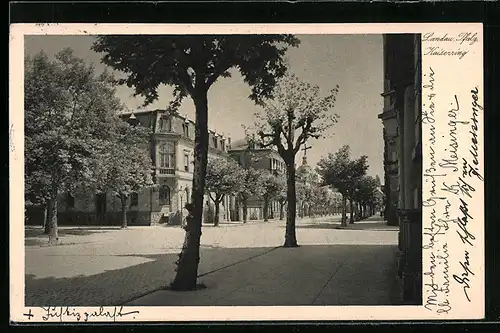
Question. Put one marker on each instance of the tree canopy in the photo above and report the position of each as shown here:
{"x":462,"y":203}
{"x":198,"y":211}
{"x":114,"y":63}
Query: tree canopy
{"x":341,"y":172}
{"x":68,"y":118}
{"x":252,"y":183}
{"x":293,"y":115}
{"x":192,"y":62}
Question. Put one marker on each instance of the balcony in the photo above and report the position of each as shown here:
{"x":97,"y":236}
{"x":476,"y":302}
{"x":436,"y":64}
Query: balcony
{"x":166,"y":171}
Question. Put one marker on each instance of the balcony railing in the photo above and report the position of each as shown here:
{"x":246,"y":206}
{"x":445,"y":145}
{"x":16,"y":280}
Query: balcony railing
{"x":167,"y":171}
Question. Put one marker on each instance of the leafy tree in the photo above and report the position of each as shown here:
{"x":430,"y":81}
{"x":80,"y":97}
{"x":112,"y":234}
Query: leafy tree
{"x":320,"y":200}
{"x":366,"y":194}
{"x":307,"y":184}
{"x":191,"y":64}
{"x":252,"y":185}
{"x":272,"y":186}
{"x":125,"y":166}
{"x":281,"y":196}
{"x":223,"y":178}
{"x":296,"y":114}
{"x":342,"y":173}
{"x":301,"y":194}
{"x":68,"y":118}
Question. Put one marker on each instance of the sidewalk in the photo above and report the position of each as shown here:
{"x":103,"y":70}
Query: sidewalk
{"x":308,"y":275}
{"x":113,"y":267}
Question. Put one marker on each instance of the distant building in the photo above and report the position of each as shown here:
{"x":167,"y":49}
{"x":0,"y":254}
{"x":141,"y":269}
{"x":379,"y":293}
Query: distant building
{"x":401,"y":118}
{"x":252,"y":155}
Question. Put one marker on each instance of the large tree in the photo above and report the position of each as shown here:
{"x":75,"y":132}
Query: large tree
{"x":191,"y":64}
{"x":223,"y":178}
{"x":68,"y":118}
{"x":125,"y":166}
{"x":296,"y":114}
{"x":341,"y":172}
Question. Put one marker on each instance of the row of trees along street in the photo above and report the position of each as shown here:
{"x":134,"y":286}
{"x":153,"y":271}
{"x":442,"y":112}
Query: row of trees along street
{"x":225,"y":177}
{"x":349,"y":177}
{"x":74,"y":141}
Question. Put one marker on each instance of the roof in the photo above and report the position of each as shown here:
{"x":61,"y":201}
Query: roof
{"x":185,"y":118}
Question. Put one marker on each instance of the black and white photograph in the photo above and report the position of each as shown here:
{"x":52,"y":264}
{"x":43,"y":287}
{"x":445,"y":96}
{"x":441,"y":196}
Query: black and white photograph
{"x":170,"y":170}
{"x":246,"y":170}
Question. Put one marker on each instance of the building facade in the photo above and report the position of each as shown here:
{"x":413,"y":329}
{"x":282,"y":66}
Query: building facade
{"x":172,"y":154}
{"x":401,"y":117}
{"x":251,"y":155}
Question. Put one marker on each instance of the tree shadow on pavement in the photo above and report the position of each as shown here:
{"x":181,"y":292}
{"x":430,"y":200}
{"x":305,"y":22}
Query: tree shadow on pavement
{"x":231,"y":271}
{"x":115,"y":287}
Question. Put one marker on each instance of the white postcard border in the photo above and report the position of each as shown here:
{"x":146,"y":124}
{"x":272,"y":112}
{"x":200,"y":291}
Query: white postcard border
{"x":455,"y":79}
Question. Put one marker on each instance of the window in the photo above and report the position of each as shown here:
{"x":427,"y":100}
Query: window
{"x":134,"y":199}
{"x":185,"y":129}
{"x":70,"y":200}
{"x":186,"y":161}
{"x":186,"y":191}
{"x":167,"y":156}
{"x":165,"y":124}
{"x":164,"y":195}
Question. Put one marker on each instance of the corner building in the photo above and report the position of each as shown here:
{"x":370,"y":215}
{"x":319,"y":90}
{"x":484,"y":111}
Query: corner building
{"x":401,"y":118}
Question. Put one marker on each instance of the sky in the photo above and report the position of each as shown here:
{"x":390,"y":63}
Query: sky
{"x":354,"y":62}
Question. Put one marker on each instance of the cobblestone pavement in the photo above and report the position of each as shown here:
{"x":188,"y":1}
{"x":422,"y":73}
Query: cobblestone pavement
{"x":112,"y":266}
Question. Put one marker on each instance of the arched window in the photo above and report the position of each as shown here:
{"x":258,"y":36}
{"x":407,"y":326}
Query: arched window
{"x":164,"y":195}
{"x":186,"y":191}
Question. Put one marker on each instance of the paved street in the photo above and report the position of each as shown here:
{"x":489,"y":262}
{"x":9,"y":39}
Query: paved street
{"x":241,"y":264}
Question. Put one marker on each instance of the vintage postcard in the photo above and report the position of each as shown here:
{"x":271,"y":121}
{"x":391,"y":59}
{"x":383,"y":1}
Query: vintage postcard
{"x":246,"y":172}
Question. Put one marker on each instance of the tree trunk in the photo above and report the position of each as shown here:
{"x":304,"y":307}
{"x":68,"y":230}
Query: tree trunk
{"x":189,"y":258}
{"x":282,"y":213}
{"x":44,"y":221}
{"x":266,"y":208}
{"x":245,"y":210}
{"x":344,"y":211}
{"x":124,"y":201}
{"x":47,"y":217}
{"x":351,"y":208}
{"x":290,"y":236}
{"x":53,"y":236}
{"x":217,"y":210}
